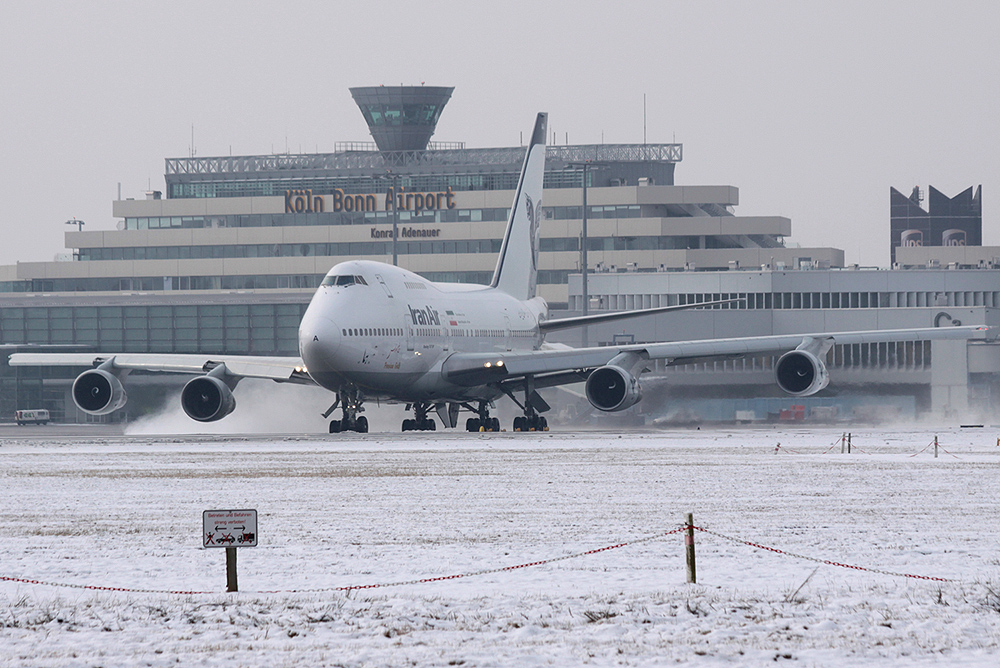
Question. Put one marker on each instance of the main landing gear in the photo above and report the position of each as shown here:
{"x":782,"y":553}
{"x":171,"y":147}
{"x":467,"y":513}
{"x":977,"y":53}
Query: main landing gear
{"x":533,"y":422}
{"x":483,"y":422}
{"x":422,"y":422}
{"x":532,"y":406}
{"x":350,"y":401}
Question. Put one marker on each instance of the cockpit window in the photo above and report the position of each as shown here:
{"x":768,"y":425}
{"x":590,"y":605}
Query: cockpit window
{"x":344,"y":280}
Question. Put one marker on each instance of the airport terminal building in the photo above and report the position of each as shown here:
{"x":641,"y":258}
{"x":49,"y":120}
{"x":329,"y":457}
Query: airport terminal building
{"x":279,"y":222}
{"x":228,"y":259}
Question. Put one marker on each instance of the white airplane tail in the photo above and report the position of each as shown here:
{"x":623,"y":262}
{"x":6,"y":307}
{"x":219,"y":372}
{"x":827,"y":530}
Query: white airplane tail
{"x":517,"y":268}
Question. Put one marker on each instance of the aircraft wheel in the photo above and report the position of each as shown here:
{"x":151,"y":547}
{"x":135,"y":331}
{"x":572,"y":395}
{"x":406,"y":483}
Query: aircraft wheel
{"x":472,"y":424}
{"x":361,"y":425}
{"x":406,"y":425}
{"x":519,"y":424}
{"x":494,"y":424}
{"x":430,"y":425}
{"x":543,"y":424}
{"x":334,"y":426}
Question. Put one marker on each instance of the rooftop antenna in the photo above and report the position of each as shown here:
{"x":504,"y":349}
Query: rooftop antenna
{"x":643,"y":118}
{"x":191,"y":151}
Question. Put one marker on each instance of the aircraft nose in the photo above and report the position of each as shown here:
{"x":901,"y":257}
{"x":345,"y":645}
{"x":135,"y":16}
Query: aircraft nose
{"x":319,"y":339}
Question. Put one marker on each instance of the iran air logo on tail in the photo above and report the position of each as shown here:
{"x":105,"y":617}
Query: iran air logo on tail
{"x":534,"y":219}
{"x":424,"y":316}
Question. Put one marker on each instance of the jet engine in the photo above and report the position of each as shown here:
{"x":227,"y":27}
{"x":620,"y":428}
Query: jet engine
{"x":801,"y":373}
{"x":98,"y":392}
{"x":612,"y":388}
{"x":207,"y":399}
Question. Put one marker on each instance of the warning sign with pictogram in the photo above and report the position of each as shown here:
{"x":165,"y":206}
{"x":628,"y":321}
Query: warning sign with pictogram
{"x":229,"y":528}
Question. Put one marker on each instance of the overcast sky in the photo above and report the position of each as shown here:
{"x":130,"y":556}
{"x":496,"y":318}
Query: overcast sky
{"x":812,"y":109}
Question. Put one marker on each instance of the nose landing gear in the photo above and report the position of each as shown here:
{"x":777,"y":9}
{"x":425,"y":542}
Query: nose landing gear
{"x":351,"y":403}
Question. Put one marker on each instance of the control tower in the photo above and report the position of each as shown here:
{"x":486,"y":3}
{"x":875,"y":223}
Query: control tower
{"x":402,"y":118}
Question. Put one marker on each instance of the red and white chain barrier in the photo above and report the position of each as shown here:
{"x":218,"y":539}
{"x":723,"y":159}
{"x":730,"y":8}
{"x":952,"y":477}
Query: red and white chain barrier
{"x":488,"y":571}
{"x":817,"y":560}
{"x":938,"y":446}
{"x":349,"y":588}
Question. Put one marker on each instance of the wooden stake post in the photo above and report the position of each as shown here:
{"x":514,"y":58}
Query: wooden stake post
{"x":689,"y":549}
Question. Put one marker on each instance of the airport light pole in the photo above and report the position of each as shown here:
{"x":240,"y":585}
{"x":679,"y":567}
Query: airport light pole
{"x":585,"y":293}
{"x":583,"y":259}
{"x":393,"y":196}
{"x":395,"y":217}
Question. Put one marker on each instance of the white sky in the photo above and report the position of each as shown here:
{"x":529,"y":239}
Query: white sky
{"x":812,"y":109}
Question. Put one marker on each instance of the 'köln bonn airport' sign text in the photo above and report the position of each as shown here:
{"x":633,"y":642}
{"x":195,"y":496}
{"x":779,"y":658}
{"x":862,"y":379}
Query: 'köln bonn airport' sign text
{"x":304,"y":201}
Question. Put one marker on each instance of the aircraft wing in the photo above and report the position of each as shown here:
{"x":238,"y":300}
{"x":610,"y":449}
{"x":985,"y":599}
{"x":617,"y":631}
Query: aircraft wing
{"x":280,"y":369}
{"x":483,"y":368}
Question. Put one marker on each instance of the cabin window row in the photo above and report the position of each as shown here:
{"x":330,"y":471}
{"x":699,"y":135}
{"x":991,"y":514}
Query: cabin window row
{"x":372,"y":331}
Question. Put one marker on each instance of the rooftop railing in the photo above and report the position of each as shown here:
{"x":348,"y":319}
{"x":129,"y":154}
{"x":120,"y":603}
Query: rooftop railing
{"x":363,"y":159}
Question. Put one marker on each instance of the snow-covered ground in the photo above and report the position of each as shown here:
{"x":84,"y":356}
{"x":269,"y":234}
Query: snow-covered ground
{"x":354,"y":510}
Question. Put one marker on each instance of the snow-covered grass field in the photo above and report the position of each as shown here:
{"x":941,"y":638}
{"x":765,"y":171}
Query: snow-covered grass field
{"x":360,"y":510}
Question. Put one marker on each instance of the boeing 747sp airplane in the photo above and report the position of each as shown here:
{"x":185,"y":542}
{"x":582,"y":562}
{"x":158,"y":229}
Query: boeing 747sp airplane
{"x":376,"y":331}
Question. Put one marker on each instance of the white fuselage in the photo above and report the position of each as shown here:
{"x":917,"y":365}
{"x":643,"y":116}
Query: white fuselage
{"x":387,"y":331}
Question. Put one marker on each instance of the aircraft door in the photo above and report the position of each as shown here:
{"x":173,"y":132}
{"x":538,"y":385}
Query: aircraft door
{"x":408,"y":332}
{"x":508,"y":334}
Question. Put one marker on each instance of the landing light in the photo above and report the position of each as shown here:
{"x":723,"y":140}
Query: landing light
{"x":499,"y":362}
{"x":488,"y":365}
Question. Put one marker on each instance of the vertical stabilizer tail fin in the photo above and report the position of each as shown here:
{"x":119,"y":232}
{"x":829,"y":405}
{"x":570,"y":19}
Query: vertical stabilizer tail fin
{"x":517,"y":267}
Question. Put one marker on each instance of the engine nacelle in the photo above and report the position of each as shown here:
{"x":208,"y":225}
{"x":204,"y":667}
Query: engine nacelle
{"x":612,"y":388}
{"x":207,"y":399}
{"x":98,"y":392}
{"x":801,"y":373}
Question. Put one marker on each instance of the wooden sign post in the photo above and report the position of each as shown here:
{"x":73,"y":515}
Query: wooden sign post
{"x":229,"y":529}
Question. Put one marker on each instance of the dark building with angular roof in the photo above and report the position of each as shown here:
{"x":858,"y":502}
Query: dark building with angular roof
{"x":948,"y":221}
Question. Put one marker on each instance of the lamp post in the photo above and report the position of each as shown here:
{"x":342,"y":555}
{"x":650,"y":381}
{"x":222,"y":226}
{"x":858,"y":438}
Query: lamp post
{"x":585,"y":293}
{"x":394,"y":190}
{"x":395,"y":218}
{"x":583,"y":259}
{"x":392,"y":196}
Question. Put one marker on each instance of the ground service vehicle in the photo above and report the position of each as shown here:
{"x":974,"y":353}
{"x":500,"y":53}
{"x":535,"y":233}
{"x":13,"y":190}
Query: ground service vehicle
{"x":34,"y":416}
